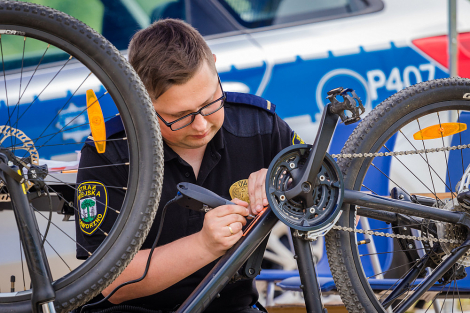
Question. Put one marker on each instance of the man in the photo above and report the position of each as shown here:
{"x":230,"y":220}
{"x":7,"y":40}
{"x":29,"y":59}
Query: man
{"x":212,"y":139}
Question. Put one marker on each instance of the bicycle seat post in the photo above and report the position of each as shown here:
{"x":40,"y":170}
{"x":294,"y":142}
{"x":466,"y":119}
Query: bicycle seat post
{"x":42,"y":292}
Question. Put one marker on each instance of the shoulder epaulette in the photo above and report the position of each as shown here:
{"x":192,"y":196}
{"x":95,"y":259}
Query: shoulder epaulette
{"x":236,"y":97}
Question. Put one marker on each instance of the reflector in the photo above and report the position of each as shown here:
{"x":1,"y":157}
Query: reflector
{"x":440,"y":130}
{"x":95,"y":116}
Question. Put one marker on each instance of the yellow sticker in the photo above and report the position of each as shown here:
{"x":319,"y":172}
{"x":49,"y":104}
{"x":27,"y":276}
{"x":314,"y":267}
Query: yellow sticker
{"x":239,"y":190}
{"x":23,"y":184}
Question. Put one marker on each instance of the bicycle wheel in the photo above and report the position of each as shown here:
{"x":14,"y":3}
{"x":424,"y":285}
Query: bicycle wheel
{"x":43,"y":120}
{"x":416,"y":120}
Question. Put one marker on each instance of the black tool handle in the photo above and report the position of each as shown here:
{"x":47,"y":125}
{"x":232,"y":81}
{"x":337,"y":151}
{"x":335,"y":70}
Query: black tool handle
{"x":199,"y":198}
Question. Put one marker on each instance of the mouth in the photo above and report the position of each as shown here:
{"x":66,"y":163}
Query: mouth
{"x":200,"y":136}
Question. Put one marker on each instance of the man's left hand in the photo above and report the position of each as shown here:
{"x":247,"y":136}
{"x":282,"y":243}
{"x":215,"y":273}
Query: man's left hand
{"x":257,"y":191}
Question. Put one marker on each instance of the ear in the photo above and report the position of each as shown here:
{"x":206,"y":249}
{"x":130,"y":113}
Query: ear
{"x":215,"y":58}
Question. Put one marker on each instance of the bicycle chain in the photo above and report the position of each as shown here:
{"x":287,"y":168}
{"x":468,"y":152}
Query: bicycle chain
{"x":376,"y":233}
{"x":381,"y":154}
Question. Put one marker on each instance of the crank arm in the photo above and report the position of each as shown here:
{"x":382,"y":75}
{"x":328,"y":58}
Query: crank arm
{"x":304,"y":185}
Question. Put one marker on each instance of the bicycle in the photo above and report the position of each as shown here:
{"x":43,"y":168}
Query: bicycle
{"x":308,"y":190}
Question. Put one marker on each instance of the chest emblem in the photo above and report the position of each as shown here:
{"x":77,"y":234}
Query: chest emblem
{"x":92,"y":204}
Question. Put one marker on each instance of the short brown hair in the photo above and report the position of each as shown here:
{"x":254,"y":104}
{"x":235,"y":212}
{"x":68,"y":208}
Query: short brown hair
{"x":168,"y":52}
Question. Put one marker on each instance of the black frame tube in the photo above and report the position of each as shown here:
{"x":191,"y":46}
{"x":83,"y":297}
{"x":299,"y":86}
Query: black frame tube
{"x":308,"y":275}
{"x":429,"y":281}
{"x":402,"y":287}
{"x":403,"y":207}
{"x":229,"y":264}
{"x":42,"y":291}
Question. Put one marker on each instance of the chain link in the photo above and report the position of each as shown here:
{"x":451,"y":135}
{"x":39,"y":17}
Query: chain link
{"x":376,"y":233}
{"x":381,"y":154}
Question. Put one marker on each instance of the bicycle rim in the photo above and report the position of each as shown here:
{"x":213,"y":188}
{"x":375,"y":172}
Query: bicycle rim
{"x":396,"y":125}
{"x":45,"y":104}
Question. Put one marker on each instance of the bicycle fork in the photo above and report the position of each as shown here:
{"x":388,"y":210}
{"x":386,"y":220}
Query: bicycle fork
{"x":43,"y":294}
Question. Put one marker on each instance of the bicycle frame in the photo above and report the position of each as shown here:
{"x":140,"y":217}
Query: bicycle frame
{"x":367,"y":205}
{"x":374,"y":206}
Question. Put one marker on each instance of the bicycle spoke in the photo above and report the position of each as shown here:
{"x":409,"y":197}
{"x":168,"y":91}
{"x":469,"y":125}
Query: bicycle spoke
{"x":391,"y":269}
{"x":445,"y":156}
{"x":417,"y":176}
{"x":30,"y":79}
{"x":118,"y":212}
{"x":68,"y":266}
{"x":398,"y":280}
{"x":79,"y":142}
{"x":64,"y":184}
{"x":60,"y":229}
{"x":410,"y":287}
{"x":5,"y":81}
{"x":21,"y":81}
{"x":460,"y":141}
{"x":432,"y":168}
{"x":361,"y":255}
{"x":55,"y":134}
{"x":68,"y":100}
{"x":37,"y":97}
{"x":68,"y":129}
{"x":427,"y":161}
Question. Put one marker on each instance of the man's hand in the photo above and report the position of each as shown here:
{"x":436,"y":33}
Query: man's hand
{"x":257,"y":191}
{"x":223,"y":227}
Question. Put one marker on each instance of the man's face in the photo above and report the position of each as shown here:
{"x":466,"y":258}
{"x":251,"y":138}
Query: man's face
{"x":180,"y":100}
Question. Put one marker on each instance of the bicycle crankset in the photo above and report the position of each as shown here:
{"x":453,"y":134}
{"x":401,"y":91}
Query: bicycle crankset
{"x":326,"y":193}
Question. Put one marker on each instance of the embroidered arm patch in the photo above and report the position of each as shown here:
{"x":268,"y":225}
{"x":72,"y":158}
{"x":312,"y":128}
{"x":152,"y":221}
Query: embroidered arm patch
{"x":295,"y":139}
{"x":92,"y":204}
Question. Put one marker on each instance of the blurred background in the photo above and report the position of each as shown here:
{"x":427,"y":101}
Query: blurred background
{"x":290,"y":52}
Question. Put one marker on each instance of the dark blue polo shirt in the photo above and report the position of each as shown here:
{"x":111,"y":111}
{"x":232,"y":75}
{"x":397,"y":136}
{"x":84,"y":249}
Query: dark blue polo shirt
{"x":251,"y":135}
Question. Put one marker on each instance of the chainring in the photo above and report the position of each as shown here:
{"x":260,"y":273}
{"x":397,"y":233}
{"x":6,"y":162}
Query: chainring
{"x":327,"y":191}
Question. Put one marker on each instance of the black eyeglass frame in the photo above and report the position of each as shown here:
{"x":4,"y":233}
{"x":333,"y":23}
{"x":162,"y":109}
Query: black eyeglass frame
{"x":197,"y":112}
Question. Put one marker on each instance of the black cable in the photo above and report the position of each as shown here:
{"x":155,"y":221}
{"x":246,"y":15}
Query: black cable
{"x":160,"y":227}
{"x":50,"y":217}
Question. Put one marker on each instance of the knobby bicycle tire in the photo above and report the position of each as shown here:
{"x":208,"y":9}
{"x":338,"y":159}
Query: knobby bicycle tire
{"x":398,"y":112}
{"x":144,"y":143}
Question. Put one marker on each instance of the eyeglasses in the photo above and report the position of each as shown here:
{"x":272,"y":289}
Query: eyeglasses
{"x":206,"y":110}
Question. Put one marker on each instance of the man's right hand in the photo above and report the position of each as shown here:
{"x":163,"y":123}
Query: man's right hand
{"x":223,"y":227}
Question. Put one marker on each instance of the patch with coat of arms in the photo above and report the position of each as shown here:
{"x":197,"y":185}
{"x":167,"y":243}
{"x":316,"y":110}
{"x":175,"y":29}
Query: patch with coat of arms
{"x":92,"y":204}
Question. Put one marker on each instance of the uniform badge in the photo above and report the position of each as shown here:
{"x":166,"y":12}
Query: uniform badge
{"x":296,"y":139}
{"x":92,"y":204}
{"x":239,"y":190}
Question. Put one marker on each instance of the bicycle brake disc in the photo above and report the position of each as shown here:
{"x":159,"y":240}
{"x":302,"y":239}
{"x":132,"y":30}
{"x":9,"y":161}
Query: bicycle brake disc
{"x":327,"y":192}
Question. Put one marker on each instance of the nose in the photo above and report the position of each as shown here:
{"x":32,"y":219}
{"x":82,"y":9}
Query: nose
{"x":199,"y":123}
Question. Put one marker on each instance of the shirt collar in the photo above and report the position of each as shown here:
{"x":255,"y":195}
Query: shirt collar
{"x":217,"y":142}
